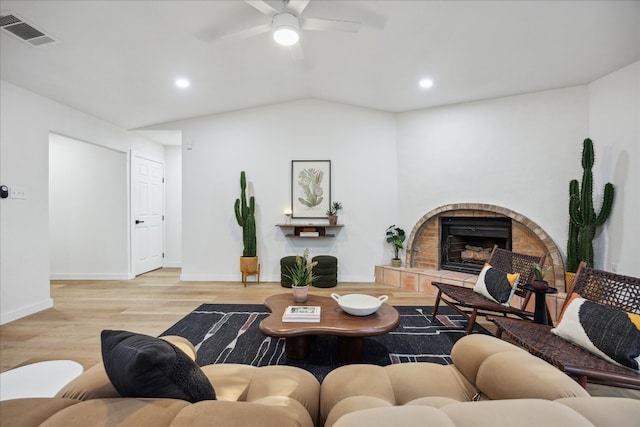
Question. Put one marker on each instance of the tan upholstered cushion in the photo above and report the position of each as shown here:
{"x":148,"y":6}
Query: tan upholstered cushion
{"x":606,"y":411}
{"x":516,"y":375}
{"x":238,"y":414}
{"x":411,"y":381}
{"x":287,"y":381}
{"x":230,"y":381}
{"x":91,"y":384}
{"x":469,"y":353}
{"x":354,"y":380}
{"x":352,"y":404}
{"x":435,"y":401}
{"x":521,"y":413}
{"x":567,"y":412}
{"x":398,"y":416}
{"x":121,"y":412}
{"x":31,"y":411}
{"x":235,"y":382}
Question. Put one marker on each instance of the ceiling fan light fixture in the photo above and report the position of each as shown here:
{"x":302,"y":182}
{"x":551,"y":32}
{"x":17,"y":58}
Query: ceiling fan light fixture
{"x":285,"y":29}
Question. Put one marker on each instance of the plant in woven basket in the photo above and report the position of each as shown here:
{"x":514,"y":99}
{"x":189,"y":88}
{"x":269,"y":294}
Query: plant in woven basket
{"x":583,"y":219}
{"x":301,"y":273}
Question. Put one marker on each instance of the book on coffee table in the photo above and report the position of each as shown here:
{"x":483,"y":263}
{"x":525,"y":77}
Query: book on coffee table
{"x":301,"y":313}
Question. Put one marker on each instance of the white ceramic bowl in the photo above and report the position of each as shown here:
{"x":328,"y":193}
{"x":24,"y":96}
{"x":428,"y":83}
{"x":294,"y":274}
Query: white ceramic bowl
{"x":359,"y":304}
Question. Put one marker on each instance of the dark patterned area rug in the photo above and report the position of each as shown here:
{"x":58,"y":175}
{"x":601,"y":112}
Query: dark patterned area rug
{"x":228,"y":333}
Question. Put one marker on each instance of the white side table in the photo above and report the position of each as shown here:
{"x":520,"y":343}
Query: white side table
{"x":42,"y":379}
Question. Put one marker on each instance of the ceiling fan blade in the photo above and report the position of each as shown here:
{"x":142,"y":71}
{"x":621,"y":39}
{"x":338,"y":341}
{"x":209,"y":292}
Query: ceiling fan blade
{"x":329,"y":25}
{"x":296,"y":52}
{"x":297,"y":6}
{"x":236,"y":35}
{"x":262,"y":6}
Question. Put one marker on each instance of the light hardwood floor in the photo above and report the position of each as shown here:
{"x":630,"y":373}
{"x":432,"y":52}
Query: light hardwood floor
{"x":150,"y":304}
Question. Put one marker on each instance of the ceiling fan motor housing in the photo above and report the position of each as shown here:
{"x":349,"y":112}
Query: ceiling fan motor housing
{"x":285,"y":27}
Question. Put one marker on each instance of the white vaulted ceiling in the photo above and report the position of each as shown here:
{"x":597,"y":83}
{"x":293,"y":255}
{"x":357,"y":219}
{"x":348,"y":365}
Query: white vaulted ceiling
{"x":117,"y":60}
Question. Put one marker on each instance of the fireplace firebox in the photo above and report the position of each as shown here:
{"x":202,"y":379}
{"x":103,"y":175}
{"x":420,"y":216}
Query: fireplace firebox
{"x":466,"y":242}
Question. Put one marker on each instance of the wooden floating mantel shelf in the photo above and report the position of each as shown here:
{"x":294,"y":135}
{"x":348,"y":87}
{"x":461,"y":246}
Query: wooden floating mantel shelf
{"x":310,"y":230}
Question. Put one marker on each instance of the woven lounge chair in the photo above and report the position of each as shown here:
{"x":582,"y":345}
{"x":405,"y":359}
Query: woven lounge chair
{"x":471,"y":304}
{"x":614,"y":290}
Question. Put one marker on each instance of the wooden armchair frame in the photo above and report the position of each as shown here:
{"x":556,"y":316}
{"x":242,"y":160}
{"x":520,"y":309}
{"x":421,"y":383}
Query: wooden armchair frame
{"x":471,"y":304}
{"x":614,"y":290}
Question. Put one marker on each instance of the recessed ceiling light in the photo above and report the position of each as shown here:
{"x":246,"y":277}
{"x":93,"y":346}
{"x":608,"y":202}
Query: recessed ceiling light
{"x":426,"y":83}
{"x":183,"y":83}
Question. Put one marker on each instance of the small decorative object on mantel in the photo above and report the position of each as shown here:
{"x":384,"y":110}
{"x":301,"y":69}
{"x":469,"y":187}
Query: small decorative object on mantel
{"x":540,"y":273}
{"x":332,"y":212}
{"x":395,"y":236}
{"x":301,"y":276}
{"x":288,"y":213}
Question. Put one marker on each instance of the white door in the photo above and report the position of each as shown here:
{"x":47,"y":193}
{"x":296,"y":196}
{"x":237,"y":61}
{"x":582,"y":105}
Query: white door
{"x":147,"y":206}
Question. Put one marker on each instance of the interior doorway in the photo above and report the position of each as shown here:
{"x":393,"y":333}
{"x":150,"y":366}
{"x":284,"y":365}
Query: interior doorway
{"x":88,"y":211}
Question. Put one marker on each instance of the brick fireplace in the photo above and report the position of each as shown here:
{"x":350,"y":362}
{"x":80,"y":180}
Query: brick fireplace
{"x":423,"y":248}
{"x":422,"y":253}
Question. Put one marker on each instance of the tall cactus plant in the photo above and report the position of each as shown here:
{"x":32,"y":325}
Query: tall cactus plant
{"x":583,"y":219}
{"x":245,"y":215}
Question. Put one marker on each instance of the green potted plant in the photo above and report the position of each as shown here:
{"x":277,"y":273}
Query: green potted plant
{"x":332,"y":212}
{"x":583,"y":219}
{"x":245,"y":215}
{"x":539,"y":273}
{"x":301,"y":276}
{"x":395,"y":236}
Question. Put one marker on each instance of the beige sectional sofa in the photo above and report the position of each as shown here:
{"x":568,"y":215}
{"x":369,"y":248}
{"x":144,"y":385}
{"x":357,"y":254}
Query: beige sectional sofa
{"x":491,"y":383}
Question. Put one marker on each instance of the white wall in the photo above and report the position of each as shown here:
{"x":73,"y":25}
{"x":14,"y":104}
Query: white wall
{"x":518,"y":152}
{"x":262,"y":142}
{"x":88,"y":211}
{"x":173,"y":207}
{"x":26,"y":121}
{"x":614,"y":126}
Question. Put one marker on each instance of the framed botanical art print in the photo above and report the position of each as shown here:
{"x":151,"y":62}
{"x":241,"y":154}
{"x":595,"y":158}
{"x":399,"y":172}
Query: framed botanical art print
{"x":310,"y":188}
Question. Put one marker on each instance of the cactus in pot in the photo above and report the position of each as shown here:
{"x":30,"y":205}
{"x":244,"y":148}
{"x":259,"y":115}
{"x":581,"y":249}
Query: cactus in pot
{"x":582,"y":216}
{"x":245,"y":215}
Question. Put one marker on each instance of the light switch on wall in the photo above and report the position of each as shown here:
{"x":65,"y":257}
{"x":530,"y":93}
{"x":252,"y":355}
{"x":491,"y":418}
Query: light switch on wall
{"x":16,"y":192}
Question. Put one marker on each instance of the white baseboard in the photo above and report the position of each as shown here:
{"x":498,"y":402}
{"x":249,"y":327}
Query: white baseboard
{"x":25,"y":311}
{"x":172,"y":264}
{"x":91,"y":276}
{"x":210,"y":277}
{"x":263,"y":278}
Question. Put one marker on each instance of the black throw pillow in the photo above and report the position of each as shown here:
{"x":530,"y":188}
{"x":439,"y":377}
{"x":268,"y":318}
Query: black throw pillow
{"x":144,"y":366}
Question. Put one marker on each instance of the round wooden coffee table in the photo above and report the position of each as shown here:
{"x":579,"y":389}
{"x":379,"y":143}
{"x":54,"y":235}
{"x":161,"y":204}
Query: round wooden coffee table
{"x":350,"y":330}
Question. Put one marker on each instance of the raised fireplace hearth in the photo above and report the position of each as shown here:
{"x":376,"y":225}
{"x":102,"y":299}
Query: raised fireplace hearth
{"x":466,"y":242}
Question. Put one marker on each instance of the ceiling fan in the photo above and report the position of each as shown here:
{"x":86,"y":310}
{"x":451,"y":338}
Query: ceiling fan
{"x":285,"y":25}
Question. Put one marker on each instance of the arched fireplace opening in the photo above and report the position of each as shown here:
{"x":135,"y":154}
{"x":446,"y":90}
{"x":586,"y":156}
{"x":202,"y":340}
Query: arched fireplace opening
{"x":456,"y":237}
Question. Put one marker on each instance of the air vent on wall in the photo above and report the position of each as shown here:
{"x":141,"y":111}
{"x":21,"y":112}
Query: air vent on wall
{"x":17,"y":27}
